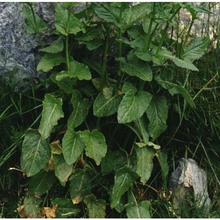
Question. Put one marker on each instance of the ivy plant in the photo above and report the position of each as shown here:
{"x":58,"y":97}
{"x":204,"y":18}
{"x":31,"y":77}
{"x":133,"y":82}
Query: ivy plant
{"x":107,"y":105}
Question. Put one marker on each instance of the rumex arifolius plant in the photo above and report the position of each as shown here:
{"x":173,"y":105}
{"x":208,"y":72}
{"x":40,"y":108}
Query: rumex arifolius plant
{"x":107,"y":105}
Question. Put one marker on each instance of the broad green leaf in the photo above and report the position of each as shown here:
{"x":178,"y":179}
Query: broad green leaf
{"x":106,"y":103}
{"x":143,"y":55}
{"x":62,"y":169}
{"x":80,"y":185}
{"x":41,"y":183}
{"x":145,"y":157}
{"x":128,"y":87}
{"x":80,"y":110}
{"x":113,"y":161}
{"x":137,"y":68}
{"x":31,"y":207}
{"x":34,"y":24}
{"x":52,"y":112}
{"x":77,"y":70}
{"x":96,"y":207}
{"x":136,"y":209}
{"x":123,"y":181}
{"x":196,"y":49}
{"x":107,"y":13}
{"x":162,"y":158}
{"x":96,"y":147}
{"x":35,"y":153}
{"x":134,"y":14}
{"x":55,"y":47}
{"x":65,"y":22}
{"x":176,"y":89}
{"x":187,"y":64}
{"x":157,"y":113}
{"x":184,"y":64}
{"x":133,"y":106}
{"x":72,"y":146}
{"x":49,"y":61}
{"x":65,"y":208}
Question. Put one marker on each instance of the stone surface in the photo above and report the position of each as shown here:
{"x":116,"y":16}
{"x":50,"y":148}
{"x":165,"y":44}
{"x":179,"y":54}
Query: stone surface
{"x":18,"y":50}
{"x":189,"y":180}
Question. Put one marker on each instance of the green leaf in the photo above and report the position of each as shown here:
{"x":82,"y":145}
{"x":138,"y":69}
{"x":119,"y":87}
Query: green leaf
{"x":72,"y":146}
{"x":106,"y":103}
{"x":96,"y":147}
{"x":62,"y":169}
{"x":107,"y":13}
{"x":80,"y":110}
{"x":176,"y":89}
{"x":162,"y":158}
{"x":77,"y":70}
{"x":65,"y":22}
{"x":41,"y":183}
{"x":49,"y":61}
{"x":52,"y":112}
{"x":33,"y":22}
{"x":123,"y":181}
{"x":65,"y":208}
{"x":80,"y":185}
{"x":55,"y":47}
{"x":113,"y":161}
{"x":134,"y":14}
{"x":141,"y":125}
{"x":35,"y":153}
{"x":31,"y":207}
{"x":196,"y":49}
{"x":157,"y":113}
{"x":133,"y":106}
{"x":96,"y":207}
{"x":137,"y":68}
{"x":164,"y":53}
{"x":136,"y":209}
{"x":145,"y":157}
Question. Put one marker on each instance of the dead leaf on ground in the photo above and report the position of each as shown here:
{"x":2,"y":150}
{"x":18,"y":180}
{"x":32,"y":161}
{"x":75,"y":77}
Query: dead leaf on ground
{"x":50,"y":212}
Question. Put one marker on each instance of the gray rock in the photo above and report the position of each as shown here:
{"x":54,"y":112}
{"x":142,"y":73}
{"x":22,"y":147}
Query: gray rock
{"x":189,"y":180}
{"x":18,"y":49}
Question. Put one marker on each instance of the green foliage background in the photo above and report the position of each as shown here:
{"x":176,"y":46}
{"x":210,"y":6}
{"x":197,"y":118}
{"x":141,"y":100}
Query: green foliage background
{"x":122,"y":103}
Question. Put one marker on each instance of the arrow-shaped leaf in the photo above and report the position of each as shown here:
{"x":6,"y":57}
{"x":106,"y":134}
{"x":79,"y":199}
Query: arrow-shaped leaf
{"x":35,"y":153}
{"x":52,"y":112}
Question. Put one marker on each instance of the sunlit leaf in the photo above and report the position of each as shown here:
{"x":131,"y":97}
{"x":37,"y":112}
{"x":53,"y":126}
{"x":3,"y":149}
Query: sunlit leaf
{"x":133,"y":106}
{"x":50,"y":212}
{"x":106,"y":104}
{"x":35,"y":153}
{"x":55,"y":47}
{"x":72,"y":146}
{"x":136,"y":209}
{"x":52,"y":112}
{"x":65,"y":21}
{"x":196,"y":49}
{"x":62,"y":169}
{"x":137,"y":68}
{"x":49,"y":61}
{"x":55,"y":147}
{"x":96,"y":146}
{"x":96,"y":207}
{"x":145,"y":157}
{"x":134,"y":14}
{"x":80,"y":109}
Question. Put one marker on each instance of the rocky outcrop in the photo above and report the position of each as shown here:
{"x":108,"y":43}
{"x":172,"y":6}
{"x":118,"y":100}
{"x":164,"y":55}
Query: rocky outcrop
{"x":18,"y":49}
{"x":189,"y":182}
